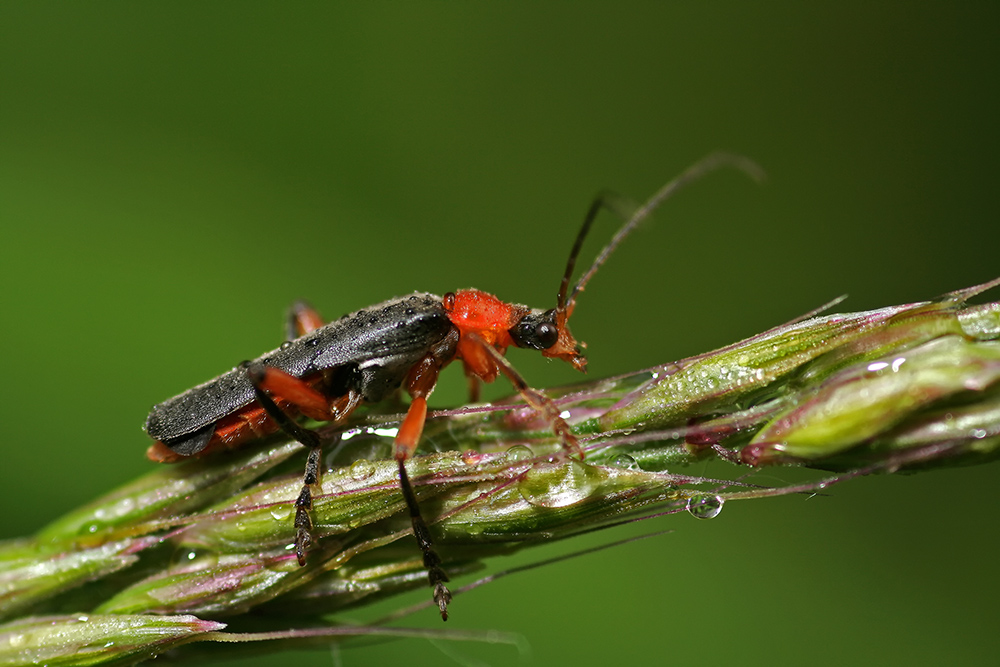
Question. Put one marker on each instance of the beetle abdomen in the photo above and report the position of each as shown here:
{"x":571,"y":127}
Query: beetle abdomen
{"x":383,"y":341}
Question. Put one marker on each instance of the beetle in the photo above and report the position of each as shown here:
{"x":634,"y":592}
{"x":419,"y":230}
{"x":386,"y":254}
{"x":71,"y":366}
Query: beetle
{"x":324,"y":371}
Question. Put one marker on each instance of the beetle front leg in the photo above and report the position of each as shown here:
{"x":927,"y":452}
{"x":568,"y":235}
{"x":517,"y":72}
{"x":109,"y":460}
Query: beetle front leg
{"x":542,"y":404}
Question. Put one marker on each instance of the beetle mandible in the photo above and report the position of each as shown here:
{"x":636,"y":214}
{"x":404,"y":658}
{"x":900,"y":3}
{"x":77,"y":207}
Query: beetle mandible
{"x":324,"y":371}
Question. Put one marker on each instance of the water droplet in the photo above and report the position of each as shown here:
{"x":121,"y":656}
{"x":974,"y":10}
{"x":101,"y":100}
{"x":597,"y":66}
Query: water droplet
{"x":978,"y":433}
{"x":705,"y":507}
{"x":287,"y":344}
{"x":559,"y":485}
{"x":519,"y":453}
{"x":16,"y":640}
{"x":362,"y":469}
{"x":83,"y":618}
{"x":240,"y":526}
{"x":625,"y":461}
{"x":281,"y":512}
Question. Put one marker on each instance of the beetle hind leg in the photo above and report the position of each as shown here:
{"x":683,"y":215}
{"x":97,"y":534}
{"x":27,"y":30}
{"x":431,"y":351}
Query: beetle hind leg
{"x":302,"y":319}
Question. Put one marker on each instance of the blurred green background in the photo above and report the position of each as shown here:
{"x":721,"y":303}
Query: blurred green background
{"x":173,"y":175}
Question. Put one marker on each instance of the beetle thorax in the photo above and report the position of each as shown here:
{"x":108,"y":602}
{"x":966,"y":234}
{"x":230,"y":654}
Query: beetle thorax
{"x":473,"y":311}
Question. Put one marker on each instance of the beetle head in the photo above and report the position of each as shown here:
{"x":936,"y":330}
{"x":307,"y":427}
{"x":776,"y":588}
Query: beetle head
{"x":546,"y":331}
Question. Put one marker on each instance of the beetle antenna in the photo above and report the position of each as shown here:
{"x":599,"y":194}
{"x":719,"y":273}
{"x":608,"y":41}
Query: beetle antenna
{"x":694,"y":172}
{"x":606,"y":199}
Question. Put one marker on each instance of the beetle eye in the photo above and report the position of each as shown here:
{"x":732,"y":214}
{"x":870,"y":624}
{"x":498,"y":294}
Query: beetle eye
{"x":537,"y":331}
{"x":547,"y":334}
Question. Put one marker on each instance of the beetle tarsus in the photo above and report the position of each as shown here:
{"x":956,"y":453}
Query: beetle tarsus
{"x":312,"y":465}
{"x":304,"y":501}
{"x":442,"y":596}
{"x":303,"y":538}
{"x":257,"y":373}
{"x":436,"y":575}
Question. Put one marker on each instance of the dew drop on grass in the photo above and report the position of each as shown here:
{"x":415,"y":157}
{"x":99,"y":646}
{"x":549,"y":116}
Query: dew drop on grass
{"x":561,"y":485}
{"x":281,"y":512}
{"x":519,"y":453}
{"x":705,"y":507}
{"x":625,"y":462}
{"x":362,"y":469}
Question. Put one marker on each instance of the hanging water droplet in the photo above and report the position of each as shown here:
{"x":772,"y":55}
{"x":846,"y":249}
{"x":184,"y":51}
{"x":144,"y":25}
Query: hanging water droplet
{"x":705,"y":507}
{"x":362,"y":469}
{"x":559,"y":485}
{"x":519,"y":453}
{"x":625,"y":461}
